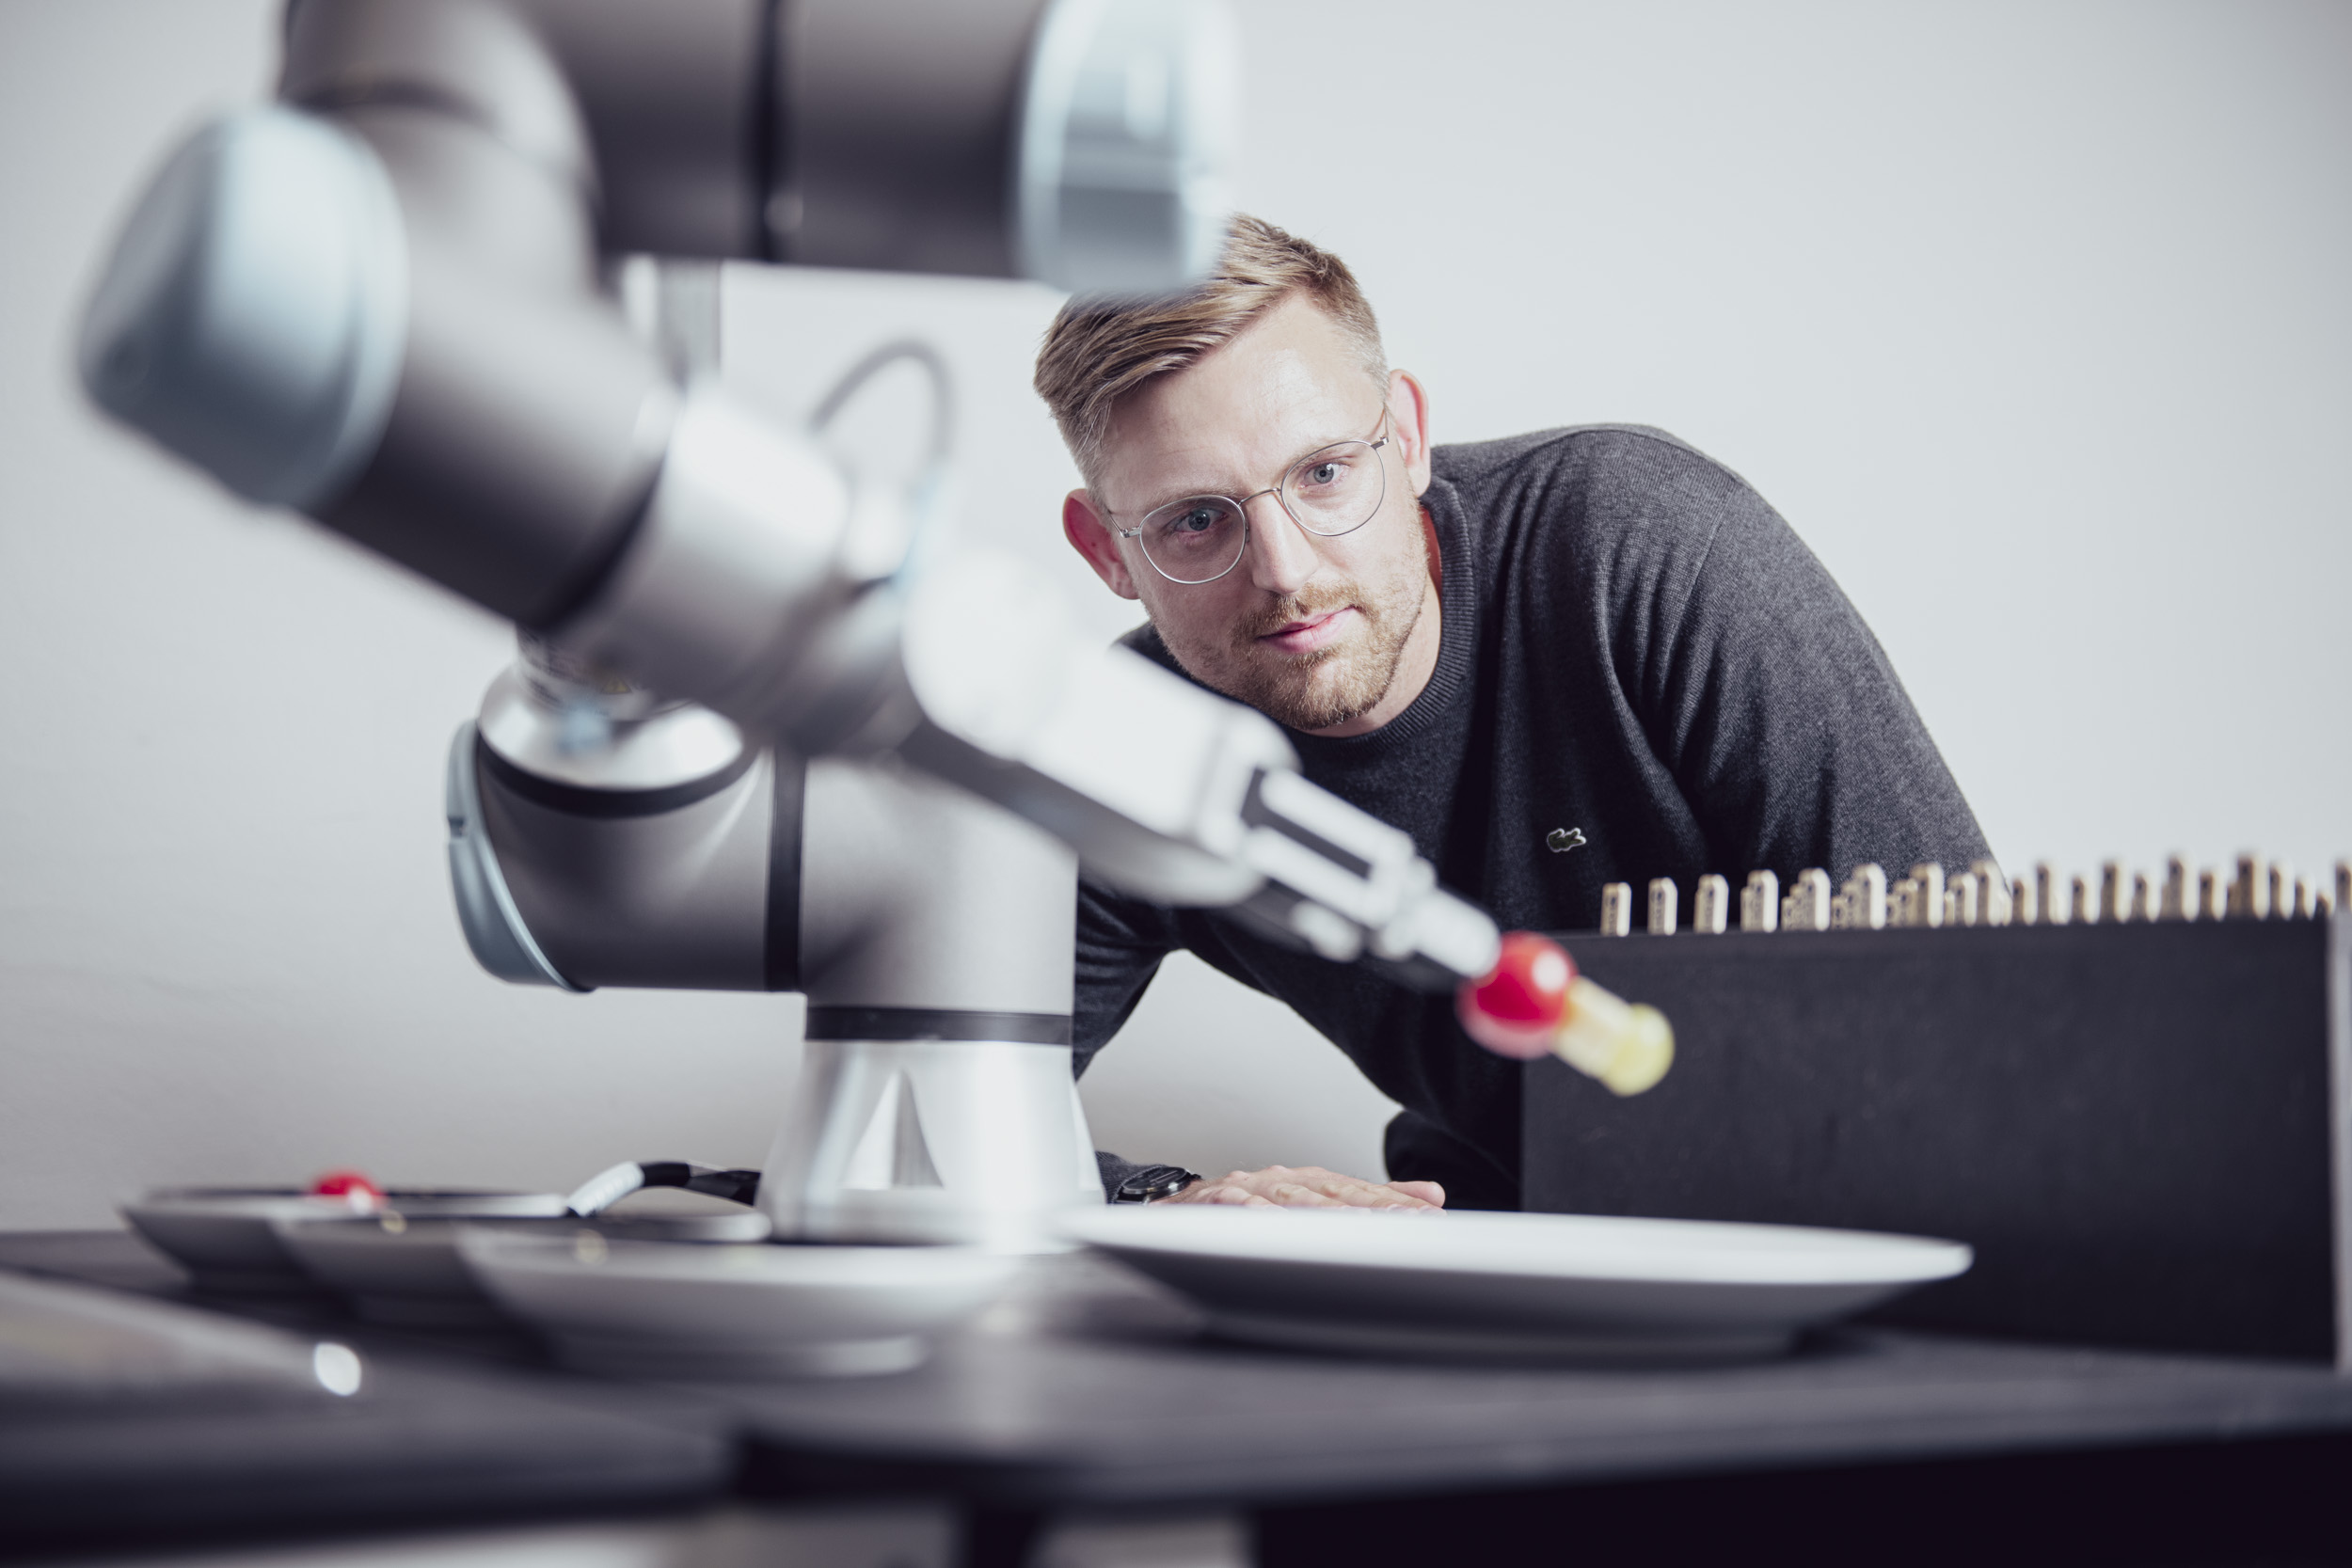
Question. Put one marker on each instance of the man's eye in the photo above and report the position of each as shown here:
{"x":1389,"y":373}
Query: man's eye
{"x":1326,"y":472}
{"x":1199,"y":519}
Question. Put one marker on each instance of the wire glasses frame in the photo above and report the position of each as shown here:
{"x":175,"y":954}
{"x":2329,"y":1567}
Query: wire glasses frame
{"x":1331,"y":491}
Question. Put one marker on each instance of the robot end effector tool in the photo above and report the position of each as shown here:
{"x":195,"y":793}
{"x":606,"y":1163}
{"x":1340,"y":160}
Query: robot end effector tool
{"x":379,"y":304}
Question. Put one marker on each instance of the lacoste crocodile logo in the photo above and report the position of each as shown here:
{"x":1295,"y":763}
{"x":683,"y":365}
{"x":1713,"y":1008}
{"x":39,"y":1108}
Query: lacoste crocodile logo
{"x":1561,"y":840}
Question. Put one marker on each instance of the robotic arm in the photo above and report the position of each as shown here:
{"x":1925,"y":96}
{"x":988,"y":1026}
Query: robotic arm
{"x":381,"y":302}
{"x":380,"y":305}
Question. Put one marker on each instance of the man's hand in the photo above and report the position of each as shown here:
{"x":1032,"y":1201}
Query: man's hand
{"x":1311,"y":1187}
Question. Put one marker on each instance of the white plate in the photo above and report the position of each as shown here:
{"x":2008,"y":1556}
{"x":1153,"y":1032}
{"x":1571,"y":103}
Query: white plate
{"x":1511,"y":1286}
{"x":399,"y":1270}
{"x":679,"y":1309}
{"x":227,"y":1238}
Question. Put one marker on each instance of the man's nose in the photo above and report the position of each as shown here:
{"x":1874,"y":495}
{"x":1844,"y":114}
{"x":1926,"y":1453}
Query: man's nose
{"x":1281,"y":556}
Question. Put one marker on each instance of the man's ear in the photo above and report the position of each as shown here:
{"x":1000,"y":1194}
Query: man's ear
{"x":1091,"y":536}
{"x":1408,"y":417}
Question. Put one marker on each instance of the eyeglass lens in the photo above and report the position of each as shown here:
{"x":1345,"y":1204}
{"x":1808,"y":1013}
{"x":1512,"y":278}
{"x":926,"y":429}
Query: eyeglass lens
{"x":1334,"y":491}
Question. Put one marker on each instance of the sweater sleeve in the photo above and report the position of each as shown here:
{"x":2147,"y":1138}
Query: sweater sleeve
{"x":1769,"y":699}
{"x":1121,"y":944}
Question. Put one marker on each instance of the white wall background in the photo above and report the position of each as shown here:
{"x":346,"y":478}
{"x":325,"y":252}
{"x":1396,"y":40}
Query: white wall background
{"x":2033,"y":318}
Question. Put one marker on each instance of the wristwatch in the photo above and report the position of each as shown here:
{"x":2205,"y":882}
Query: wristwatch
{"x":1154,"y":1182}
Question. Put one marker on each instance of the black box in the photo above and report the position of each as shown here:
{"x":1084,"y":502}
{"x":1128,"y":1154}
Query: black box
{"x":2141,"y":1129}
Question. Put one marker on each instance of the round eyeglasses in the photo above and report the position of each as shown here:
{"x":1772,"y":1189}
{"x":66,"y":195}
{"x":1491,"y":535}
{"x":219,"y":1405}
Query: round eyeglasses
{"x":1332,"y":490}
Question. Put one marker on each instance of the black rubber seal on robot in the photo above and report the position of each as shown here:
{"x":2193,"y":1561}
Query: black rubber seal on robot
{"x":605,"y":804}
{"x":782,"y":955}
{"x":771,"y":130}
{"x":936,"y":1023}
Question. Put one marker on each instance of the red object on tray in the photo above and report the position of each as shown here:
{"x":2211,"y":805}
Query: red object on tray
{"x":351,"y":1186}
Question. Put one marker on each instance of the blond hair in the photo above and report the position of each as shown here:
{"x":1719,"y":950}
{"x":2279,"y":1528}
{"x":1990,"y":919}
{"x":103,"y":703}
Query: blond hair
{"x":1098,"y":349}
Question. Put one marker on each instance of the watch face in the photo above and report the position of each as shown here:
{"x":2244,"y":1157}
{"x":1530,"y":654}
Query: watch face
{"x":1154,"y":1182}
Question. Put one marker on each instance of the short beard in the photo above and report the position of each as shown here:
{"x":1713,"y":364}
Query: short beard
{"x":1330,"y":686}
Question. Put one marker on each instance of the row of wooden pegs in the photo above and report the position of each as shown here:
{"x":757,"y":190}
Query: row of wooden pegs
{"x":1981,"y":895}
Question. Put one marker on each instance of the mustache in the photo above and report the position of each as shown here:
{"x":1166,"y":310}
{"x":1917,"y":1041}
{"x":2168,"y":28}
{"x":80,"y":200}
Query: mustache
{"x":1297,"y":606}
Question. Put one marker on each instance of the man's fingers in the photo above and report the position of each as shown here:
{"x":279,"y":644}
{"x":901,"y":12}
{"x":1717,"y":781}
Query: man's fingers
{"x":1297,"y":1194}
{"x":1351,"y":1191}
{"x":1227,"y":1193}
{"x":1358,"y":1194}
{"x":1312,"y":1187}
{"x":1367,"y":1194}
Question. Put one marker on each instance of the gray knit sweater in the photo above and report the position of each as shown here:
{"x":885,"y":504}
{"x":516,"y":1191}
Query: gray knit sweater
{"x":1638,"y":650}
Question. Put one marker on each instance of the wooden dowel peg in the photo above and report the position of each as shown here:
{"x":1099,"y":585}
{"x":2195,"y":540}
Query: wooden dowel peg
{"x":1998,"y":906}
{"x":2180,"y":893}
{"x":1663,"y":899}
{"x":2113,"y":894}
{"x":1963,"y":901}
{"x":1929,"y":876}
{"x":2049,"y":893}
{"x":1710,"y":910}
{"x":2249,"y":890}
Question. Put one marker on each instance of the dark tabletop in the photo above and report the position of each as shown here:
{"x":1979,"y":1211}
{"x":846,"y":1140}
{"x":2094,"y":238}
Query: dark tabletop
{"x":1095,"y":1386}
{"x":462,"y":1430}
{"x":1091,"y":1386}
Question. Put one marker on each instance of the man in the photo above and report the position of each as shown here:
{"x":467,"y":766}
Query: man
{"x":1557,"y":660}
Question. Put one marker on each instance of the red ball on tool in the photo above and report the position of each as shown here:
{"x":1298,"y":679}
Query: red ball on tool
{"x":1515,"y":1009}
{"x":351,"y":1186}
